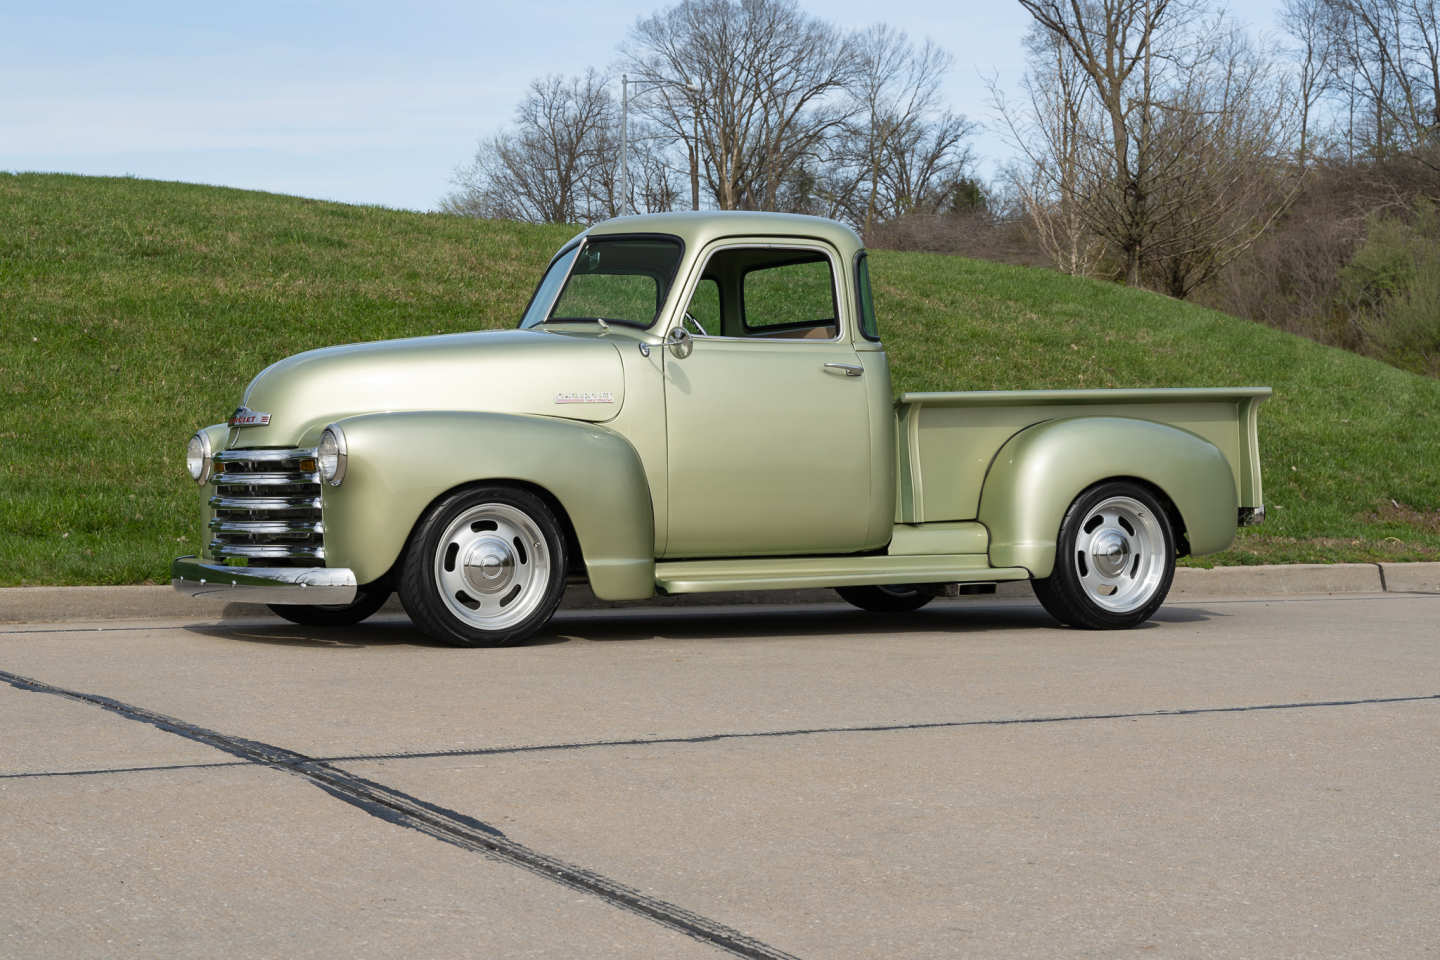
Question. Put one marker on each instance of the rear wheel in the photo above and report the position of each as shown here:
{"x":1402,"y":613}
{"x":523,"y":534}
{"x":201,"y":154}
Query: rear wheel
{"x":485,"y":567}
{"x":896,"y":598}
{"x":1114,"y":559}
{"x":367,"y":601}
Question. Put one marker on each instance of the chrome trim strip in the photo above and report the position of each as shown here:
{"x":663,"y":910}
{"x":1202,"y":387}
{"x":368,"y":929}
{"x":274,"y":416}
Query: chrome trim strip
{"x":266,"y":551}
{"x":263,"y":454}
{"x":260,"y":504}
{"x":306,"y":528}
{"x":307,"y":585}
{"x":263,"y":479}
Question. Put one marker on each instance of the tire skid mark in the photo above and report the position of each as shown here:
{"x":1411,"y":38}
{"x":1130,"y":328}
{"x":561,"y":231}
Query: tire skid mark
{"x":446,"y":825}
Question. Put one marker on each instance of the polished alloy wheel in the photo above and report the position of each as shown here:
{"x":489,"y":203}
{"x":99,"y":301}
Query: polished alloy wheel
{"x":492,"y":566}
{"x":1114,"y":557}
{"x":1118,"y":554}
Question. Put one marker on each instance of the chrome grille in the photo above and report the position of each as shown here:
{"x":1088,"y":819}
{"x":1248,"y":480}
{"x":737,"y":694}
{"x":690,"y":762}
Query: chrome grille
{"x":266,"y":508}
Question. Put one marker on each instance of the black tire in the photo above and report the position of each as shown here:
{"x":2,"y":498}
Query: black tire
{"x":895,"y":598}
{"x":485,"y":567}
{"x":1114,"y":559}
{"x":367,"y":601}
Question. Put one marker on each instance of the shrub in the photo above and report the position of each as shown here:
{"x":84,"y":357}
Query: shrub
{"x":1391,"y":288}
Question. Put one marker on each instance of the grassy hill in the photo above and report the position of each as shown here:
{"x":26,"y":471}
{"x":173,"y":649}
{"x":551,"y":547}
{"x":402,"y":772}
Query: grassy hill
{"x":133,"y":311}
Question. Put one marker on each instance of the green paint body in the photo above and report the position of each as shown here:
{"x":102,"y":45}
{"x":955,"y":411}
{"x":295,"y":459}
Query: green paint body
{"x":748,"y":464}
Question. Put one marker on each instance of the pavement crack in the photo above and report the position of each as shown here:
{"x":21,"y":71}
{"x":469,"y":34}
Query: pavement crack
{"x":750,"y":735}
{"x":874,"y":728}
{"x":443,"y":824}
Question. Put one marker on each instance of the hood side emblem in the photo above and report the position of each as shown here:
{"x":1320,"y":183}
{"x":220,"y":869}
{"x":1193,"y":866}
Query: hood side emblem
{"x":606,"y":397}
{"x":245,"y":417}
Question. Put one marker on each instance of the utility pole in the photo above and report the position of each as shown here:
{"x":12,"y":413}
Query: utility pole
{"x":625,"y":144}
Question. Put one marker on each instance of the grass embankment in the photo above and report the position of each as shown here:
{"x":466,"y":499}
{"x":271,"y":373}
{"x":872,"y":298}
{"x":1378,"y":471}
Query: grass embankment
{"x":132,"y":312}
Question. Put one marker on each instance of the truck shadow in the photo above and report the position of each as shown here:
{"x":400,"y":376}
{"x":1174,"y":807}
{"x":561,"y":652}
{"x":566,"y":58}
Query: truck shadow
{"x":721,"y":623}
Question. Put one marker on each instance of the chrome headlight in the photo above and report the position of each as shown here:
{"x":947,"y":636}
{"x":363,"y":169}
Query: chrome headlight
{"x":331,"y":455}
{"x":197,"y":458}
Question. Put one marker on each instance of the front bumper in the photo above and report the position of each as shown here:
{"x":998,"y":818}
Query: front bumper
{"x":318,"y":586}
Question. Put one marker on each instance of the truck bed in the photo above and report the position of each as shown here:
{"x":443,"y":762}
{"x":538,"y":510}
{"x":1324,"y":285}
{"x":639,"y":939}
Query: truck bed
{"x":947,"y":441}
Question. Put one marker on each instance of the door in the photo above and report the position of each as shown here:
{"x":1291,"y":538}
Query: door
{"x":766,"y":418}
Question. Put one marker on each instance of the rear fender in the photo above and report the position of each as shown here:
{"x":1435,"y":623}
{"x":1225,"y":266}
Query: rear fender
{"x":1040,"y":471}
{"x":399,"y":464}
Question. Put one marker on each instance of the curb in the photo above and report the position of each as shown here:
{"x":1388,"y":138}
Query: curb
{"x":64,"y":604}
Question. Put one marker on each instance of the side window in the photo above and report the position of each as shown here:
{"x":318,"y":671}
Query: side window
{"x":869,"y":327}
{"x":796,"y":295}
{"x":705,"y":305}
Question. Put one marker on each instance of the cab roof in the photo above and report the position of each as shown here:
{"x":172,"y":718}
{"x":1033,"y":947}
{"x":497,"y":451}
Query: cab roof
{"x":698,"y":228}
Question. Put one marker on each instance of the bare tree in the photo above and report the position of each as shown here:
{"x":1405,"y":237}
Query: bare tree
{"x":558,"y":162}
{"x":1158,"y":130}
{"x":1312,"y":25}
{"x":1223,"y":181}
{"x":755,"y":82}
{"x":543,"y":169}
{"x":1058,"y":133}
{"x":1389,"y":58}
{"x":901,"y":151}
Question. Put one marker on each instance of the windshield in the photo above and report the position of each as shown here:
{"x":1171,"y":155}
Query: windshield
{"x":549,"y":286}
{"x":618,"y":280}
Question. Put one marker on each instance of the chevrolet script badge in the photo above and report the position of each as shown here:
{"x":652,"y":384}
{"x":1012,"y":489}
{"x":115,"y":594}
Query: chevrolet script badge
{"x":606,"y":397}
{"x":245,"y":417}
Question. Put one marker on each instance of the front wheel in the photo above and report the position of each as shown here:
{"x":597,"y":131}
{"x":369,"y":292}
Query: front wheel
{"x":899,"y":598}
{"x":367,"y":601}
{"x":1114,"y":559}
{"x":485,"y":567}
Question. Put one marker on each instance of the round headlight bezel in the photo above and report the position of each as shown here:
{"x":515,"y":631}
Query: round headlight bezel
{"x":331,"y":455}
{"x":199,"y":457}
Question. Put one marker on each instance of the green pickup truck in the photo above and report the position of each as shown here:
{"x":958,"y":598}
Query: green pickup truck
{"x":697,"y":403}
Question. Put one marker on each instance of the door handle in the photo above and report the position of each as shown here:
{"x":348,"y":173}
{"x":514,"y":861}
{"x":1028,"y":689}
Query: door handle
{"x":844,"y":369}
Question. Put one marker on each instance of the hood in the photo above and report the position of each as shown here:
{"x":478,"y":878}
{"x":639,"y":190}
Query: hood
{"x":499,"y":371}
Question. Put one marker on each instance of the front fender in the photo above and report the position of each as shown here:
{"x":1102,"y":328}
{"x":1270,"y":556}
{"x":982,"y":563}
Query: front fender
{"x":1040,"y":471}
{"x":400,"y":463}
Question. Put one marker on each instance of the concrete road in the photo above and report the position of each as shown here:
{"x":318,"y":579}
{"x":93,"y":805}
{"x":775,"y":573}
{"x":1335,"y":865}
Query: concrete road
{"x":1256,"y":778}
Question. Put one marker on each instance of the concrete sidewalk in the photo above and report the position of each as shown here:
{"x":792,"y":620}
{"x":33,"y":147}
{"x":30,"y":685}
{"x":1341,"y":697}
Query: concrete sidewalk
{"x":53,"y":604}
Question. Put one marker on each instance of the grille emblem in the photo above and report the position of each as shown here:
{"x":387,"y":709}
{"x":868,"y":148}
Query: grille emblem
{"x":245,"y":417}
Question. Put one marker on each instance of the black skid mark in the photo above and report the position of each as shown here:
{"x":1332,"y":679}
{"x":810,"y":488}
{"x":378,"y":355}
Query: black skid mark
{"x":443,"y":824}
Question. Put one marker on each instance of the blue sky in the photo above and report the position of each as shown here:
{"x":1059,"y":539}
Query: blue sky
{"x":359,"y":102}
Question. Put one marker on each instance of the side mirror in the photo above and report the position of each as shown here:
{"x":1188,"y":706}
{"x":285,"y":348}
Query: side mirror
{"x":680,"y":343}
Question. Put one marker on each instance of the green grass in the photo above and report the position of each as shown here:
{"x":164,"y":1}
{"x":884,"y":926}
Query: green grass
{"x":132,"y":312}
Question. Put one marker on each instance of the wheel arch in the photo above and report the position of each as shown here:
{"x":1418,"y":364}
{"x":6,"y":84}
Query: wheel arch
{"x":402,"y":464}
{"x":1042,"y":470}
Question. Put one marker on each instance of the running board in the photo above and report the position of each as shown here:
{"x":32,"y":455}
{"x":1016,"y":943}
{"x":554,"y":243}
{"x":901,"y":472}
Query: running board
{"x":798,"y":573}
